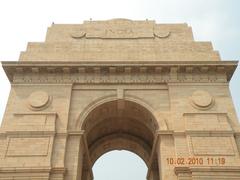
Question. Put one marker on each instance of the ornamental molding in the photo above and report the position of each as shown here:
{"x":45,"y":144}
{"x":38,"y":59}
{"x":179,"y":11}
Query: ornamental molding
{"x":119,"y":72}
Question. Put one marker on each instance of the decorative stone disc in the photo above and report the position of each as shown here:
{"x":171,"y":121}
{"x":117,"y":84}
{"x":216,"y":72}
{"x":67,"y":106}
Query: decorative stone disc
{"x":161,"y":33}
{"x":38,"y":99}
{"x":78,"y":34}
{"x":202,"y":99}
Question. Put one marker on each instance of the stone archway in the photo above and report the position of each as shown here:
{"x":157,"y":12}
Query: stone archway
{"x":120,"y":125}
{"x":125,"y":78}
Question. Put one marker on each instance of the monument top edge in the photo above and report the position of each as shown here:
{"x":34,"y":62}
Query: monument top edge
{"x":121,"y":20}
{"x":119,"y":39}
{"x":118,"y":28}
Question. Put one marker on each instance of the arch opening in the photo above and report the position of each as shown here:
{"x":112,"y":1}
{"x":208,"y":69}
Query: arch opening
{"x":127,"y":165}
{"x":120,"y":125}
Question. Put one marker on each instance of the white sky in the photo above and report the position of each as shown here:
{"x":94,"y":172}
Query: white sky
{"x":27,"y":20}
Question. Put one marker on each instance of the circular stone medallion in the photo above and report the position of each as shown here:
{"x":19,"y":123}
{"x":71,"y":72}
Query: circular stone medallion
{"x":161,"y":33}
{"x":202,"y":99}
{"x":38,"y":99}
{"x":78,"y":34}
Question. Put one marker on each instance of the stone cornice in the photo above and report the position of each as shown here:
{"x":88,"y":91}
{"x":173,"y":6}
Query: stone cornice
{"x":119,"y":71}
{"x":115,"y":63}
{"x":182,"y":169}
{"x":45,"y":169}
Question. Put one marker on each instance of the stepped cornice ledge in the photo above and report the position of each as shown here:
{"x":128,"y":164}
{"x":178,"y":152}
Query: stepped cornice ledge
{"x":150,"y":69}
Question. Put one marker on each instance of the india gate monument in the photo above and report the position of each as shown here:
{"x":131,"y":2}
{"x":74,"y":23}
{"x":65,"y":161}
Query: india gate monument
{"x":119,"y":85}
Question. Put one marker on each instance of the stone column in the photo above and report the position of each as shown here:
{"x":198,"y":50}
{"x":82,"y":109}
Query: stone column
{"x":74,"y":157}
{"x":154,"y":174}
{"x":165,"y":150}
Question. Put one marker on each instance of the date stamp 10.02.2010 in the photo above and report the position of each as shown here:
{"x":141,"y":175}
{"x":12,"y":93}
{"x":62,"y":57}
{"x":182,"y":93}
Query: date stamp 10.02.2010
{"x":196,"y":161}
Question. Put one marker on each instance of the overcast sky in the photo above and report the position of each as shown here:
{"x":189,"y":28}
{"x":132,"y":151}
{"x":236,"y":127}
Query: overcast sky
{"x":27,"y":21}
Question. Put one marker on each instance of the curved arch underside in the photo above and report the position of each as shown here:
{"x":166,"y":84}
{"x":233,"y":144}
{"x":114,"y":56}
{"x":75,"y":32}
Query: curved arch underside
{"x":120,"y":125}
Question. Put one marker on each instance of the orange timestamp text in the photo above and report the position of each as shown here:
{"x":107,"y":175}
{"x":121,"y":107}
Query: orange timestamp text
{"x":196,"y":160}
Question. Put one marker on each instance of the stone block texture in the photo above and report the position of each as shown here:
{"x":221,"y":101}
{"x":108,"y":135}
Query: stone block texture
{"x":119,"y":84}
